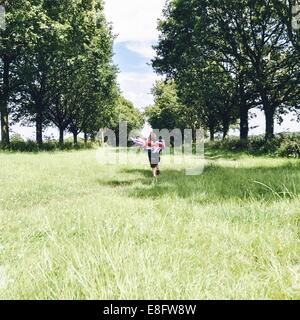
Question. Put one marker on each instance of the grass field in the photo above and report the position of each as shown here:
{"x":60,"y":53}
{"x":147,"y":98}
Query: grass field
{"x":72,"y":228}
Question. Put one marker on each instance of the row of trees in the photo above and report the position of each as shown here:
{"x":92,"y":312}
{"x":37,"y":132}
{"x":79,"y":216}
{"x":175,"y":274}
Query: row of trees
{"x":223,"y":58}
{"x":56,"y":68}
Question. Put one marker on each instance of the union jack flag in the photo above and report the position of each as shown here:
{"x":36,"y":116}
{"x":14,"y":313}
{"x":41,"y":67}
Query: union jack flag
{"x":154,"y":147}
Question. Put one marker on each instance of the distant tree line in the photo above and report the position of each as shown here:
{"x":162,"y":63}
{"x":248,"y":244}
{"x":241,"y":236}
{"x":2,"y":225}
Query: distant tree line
{"x":221,"y":59}
{"x":56,"y":68}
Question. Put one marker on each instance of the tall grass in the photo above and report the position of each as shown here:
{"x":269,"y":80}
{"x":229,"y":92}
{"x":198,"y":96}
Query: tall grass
{"x":73,"y":228}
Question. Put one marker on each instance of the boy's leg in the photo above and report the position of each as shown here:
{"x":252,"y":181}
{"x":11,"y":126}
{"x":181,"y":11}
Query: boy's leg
{"x":158,"y":170}
{"x":154,"y":172}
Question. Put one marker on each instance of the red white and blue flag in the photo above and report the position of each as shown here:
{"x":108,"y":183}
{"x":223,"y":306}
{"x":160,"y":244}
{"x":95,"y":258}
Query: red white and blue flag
{"x":154,"y":147}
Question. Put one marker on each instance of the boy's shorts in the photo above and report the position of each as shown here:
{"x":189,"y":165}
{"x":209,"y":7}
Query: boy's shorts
{"x":154,"y":159}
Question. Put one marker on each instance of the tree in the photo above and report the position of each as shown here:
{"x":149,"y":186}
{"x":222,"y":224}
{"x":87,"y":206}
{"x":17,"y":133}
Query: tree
{"x":14,"y":40}
{"x":245,"y":38}
{"x":285,"y":11}
{"x":167,"y":112}
{"x":94,"y":99}
{"x":199,"y":72}
{"x":126,"y":112}
{"x":209,"y":107}
{"x":64,"y":71}
{"x":251,"y":33}
{"x":87,"y":75}
{"x":34,"y":69}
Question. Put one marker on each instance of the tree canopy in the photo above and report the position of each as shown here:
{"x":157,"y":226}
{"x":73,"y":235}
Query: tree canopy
{"x":229,"y":56}
{"x":56,"y":67}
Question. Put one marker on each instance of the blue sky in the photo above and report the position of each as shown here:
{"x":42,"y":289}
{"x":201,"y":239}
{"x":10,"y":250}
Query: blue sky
{"x":136,"y":76}
{"x":131,"y":61}
{"x":134,"y":23}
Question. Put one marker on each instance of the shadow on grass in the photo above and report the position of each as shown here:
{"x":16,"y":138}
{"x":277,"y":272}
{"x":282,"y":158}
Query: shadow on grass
{"x":211,"y":154}
{"x":119,"y":183}
{"x":216,"y":184}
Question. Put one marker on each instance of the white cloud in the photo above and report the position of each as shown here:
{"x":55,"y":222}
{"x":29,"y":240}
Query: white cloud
{"x":137,"y":87}
{"x":134,"y":20}
{"x":143,"y":48}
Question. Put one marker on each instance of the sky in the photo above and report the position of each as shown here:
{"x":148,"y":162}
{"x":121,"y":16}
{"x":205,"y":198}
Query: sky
{"x":134,"y":23}
{"x":135,"y":26}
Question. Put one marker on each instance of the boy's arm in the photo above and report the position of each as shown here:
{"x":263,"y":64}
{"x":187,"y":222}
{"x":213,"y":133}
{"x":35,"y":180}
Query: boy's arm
{"x":138,"y":142}
{"x":162,"y":144}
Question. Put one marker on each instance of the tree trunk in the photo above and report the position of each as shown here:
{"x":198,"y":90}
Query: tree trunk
{"x":4,"y":126}
{"x":4,"y":104}
{"x":75,"y":137}
{"x":244,"y":123}
{"x":93,"y":137}
{"x":85,"y":137}
{"x":269,"y":113}
{"x":39,"y":128}
{"x":61,"y":136}
{"x":212,"y":133}
{"x":243,"y":110}
{"x":225,"y":128}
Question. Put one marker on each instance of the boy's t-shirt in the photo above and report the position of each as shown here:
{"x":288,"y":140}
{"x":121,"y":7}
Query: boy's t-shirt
{"x":155,"y":149}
